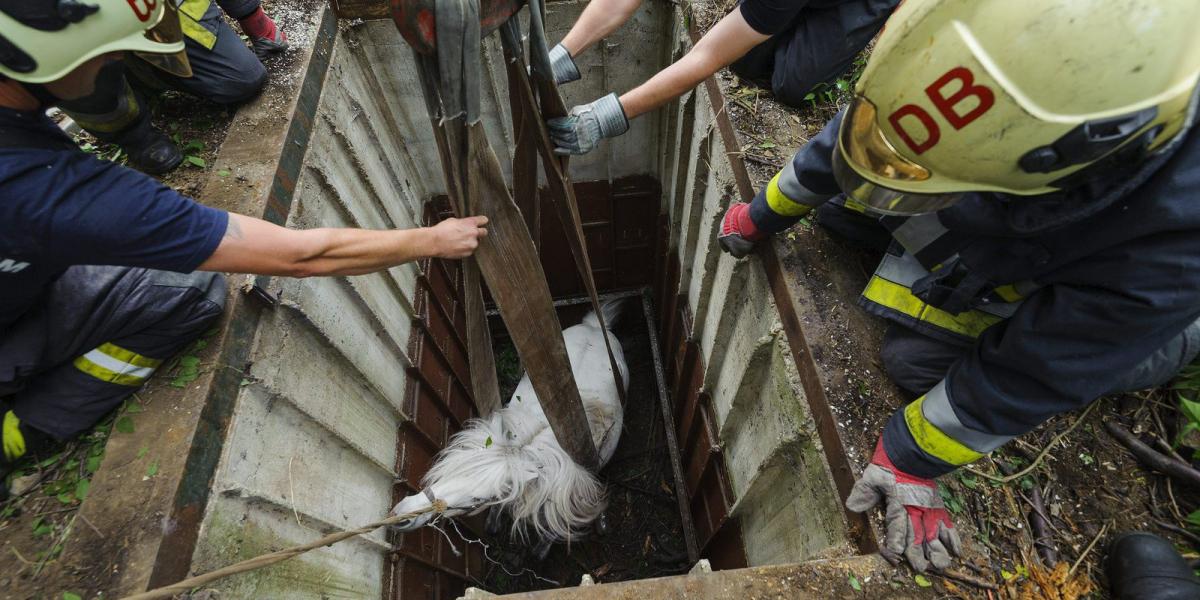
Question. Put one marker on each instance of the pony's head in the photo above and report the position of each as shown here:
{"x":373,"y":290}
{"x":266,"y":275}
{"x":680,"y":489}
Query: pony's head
{"x":480,"y":467}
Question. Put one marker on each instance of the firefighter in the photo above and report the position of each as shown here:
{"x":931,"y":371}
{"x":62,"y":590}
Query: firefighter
{"x":786,"y":46}
{"x":1032,"y":167}
{"x":224,"y":70}
{"x":104,"y":271}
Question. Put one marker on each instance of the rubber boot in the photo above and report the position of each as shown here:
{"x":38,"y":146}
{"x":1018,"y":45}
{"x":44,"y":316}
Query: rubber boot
{"x":17,"y":440}
{"x":149,"y":150}
{"x":1143,"y":566}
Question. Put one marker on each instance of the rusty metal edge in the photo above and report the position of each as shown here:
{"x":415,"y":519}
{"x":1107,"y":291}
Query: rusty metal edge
{"x":178,"y":545}
{"x":664,"y":401}
{"x":859,"y":528}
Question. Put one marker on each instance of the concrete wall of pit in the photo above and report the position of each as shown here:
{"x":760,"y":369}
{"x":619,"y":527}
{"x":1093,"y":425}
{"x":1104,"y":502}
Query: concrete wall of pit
{"x":336,"y":379}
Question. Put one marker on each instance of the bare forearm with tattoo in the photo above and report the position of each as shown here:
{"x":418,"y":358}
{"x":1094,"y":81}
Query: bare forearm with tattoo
{"x":255,"y":246}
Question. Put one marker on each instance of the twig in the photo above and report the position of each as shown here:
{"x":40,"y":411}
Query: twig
{"x":963,"y":578}
{"x":1038,"y":521}
{"x":1041,"y":455}
{"x":271,"y":558}
{"x":1151,"y":457}
{"x":1079,"y":560}
{"x":895,"y":560}
{"x":89,"y":524}
{"x":1181,"y":531}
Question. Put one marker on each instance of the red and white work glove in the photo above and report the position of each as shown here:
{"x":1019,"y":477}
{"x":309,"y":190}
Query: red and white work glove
{"x":918,"y":525}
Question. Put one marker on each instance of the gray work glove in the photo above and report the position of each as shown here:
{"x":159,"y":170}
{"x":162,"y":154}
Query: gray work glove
{"x":563,"y":65}
{"x":918,"y":525}
{"x":585,"y":125}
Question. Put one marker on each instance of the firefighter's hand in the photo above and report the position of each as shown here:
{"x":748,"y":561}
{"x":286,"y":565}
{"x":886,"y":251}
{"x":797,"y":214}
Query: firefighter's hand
{"x":458,"y":238}
{"x":918,"y":525}
{"x":580,"y":131}
{"x":563,"y":65}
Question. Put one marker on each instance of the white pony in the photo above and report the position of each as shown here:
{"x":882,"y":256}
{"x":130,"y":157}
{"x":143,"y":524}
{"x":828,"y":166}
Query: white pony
{"x":511,"y":460}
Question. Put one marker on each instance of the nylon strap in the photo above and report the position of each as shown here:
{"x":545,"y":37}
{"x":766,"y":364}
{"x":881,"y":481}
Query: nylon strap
{"x":561,"y":191}
{"x":507,"y":259}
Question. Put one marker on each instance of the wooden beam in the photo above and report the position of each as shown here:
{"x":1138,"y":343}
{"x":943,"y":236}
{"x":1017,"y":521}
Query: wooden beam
{"x":362,"y":9}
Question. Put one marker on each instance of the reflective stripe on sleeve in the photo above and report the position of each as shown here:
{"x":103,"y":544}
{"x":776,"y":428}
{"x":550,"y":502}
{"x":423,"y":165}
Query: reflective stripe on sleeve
{"x":788,"y":197}
{"x":191,"y":12}
{"x":938,"y":411}
{"x":934,"y":441}
{"x":114,"y":364}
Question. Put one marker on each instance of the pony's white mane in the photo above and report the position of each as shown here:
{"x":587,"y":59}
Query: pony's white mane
{"x":512,"y":458}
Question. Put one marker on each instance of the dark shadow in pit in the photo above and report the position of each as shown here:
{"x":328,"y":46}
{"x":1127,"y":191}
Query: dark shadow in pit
{"x":645,"y":532}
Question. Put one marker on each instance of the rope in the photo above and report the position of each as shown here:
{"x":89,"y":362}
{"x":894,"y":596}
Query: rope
{"x":271,"y":558}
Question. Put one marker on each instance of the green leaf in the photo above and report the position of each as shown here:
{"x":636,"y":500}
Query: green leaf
{"x":81,"y":488}
{"x":134,"y":408}
{"x":1007,"y":574}
{"x":92,"y":464}
{"x":152,"y":470}
{"x":42,"y":530}
{"x":196,"y":161}
{"x":223,"y":172}
{"x":922,"y":580}
{"x":142,"y":451}
{"x":66,"y":497}
{"x":124,"y":424}
{"x":189,"y":362}
{"x":1190,"y":409}
{"x":854,"y":583}
{"x":488,"y":443}
{"x":71,"y":596}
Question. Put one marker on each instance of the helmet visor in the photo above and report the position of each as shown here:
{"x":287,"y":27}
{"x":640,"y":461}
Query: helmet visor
{"x":168,"y":31}
{"x":862,"y":148}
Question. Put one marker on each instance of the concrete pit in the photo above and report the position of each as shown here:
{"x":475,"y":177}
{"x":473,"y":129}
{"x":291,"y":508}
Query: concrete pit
{"x":331,"y":396}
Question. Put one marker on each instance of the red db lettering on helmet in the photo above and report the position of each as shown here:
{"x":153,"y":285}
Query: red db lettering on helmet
{"x":946,"y":105}
{"x":144,"y":9}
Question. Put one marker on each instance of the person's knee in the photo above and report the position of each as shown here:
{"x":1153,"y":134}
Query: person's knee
{"x":240,"y":85}
{"x":204,"y":291}
{"x":916,"y":362}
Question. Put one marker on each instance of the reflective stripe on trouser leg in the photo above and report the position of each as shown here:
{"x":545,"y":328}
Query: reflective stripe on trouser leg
{"x":114,"y":364}
{"x":889,"y":294}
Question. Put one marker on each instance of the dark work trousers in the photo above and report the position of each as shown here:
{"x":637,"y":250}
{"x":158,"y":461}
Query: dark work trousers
{"x":99,"y":333}
{"x":816,"y":48}
{"x":229,"y":73}
{"x":917,"y":362}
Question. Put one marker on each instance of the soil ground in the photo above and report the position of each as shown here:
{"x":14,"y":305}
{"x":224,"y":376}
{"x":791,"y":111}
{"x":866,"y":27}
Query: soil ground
{"x":36,"y":523}
{"x":645,"y":536}
{"x":1091,"y":486}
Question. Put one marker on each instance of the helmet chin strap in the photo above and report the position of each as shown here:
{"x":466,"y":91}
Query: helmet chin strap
{"x":43,"y":96}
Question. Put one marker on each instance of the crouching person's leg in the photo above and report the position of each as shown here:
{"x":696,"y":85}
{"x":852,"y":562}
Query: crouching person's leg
{"x":823,"y":45}
{"x":1162,"y":366}
{"x":224,"y":70}
{"x":116,"y":113}
{"x":101,"y":333}
{"x":917,"y":362}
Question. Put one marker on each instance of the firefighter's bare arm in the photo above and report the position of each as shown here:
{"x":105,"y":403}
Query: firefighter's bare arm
{"x":599,"y":19}
{"x":580,"y":131}
{"x":730,"y":39}
{"x":255,"y":246}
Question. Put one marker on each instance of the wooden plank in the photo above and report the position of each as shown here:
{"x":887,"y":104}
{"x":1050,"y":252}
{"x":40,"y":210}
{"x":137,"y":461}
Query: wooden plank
{"x":362,"y":9}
